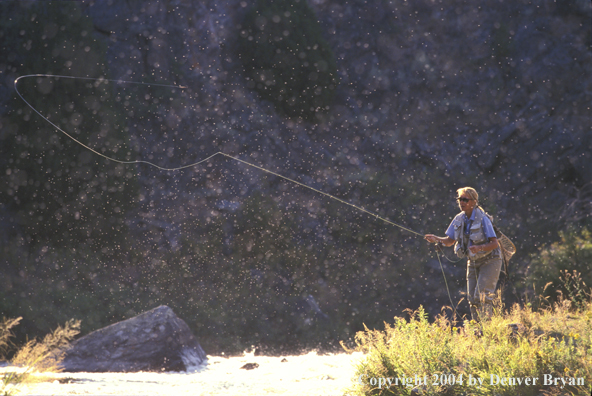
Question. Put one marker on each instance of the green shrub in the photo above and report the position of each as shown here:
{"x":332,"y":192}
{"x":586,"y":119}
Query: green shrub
{"x":556,"y":269}
{"x":286,"y":59}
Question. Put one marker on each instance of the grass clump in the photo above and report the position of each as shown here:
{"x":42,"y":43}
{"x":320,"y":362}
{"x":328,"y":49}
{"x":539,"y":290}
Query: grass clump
{"x":35,"y":356}
{"x":518,"y":352}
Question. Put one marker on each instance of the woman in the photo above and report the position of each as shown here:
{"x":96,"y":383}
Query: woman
{"x":472,"y":232}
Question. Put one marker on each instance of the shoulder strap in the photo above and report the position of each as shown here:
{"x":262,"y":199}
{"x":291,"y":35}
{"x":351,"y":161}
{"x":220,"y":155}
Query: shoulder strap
{"x":478,"y":215}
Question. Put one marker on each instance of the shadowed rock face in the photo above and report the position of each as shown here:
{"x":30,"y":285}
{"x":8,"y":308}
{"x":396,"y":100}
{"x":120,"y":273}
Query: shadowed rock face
{"x":156,"y":340}
{"x":431,"y":98}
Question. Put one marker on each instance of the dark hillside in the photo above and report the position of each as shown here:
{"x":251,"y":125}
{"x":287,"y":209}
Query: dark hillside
{"x":431,"y":96}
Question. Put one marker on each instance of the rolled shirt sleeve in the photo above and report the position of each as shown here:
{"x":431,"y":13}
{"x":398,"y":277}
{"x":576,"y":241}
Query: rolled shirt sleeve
{"x":488,"y":228}
{"x":450,"y":230}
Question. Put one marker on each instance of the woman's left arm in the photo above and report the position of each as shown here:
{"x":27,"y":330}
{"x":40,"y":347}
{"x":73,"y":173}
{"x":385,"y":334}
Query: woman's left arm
{"x":486,"y":247}
{"x":490,"y":234}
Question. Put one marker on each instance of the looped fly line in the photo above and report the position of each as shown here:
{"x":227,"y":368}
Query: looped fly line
{"x":378,"y":217}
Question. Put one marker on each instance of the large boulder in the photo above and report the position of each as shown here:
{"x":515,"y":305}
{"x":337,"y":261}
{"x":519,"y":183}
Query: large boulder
{"x":156,"y":340}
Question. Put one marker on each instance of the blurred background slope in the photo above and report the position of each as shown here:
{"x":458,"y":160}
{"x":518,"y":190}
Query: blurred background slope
{"x":389,"y":105}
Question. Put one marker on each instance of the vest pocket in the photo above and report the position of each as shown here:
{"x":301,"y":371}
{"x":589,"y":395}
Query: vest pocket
{"x":477,"y":236}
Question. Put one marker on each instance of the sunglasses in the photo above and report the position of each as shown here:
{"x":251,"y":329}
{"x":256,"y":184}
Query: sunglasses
{"x":464,"y":199}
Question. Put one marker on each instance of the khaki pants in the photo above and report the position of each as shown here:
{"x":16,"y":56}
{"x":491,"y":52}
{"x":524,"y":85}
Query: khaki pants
{"x":482,"y":277}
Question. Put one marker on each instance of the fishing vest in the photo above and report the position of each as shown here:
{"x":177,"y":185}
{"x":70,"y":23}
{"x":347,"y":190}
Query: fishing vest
{"x":476,"y":236}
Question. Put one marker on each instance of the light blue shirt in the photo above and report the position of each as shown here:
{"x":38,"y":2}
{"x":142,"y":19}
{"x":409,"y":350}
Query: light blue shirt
{"x":487,"y":226}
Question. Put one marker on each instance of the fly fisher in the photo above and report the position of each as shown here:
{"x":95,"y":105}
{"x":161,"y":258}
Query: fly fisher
{"x":472,"y":233}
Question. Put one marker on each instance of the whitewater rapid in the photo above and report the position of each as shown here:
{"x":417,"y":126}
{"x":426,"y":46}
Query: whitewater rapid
{"x":308,"y":374}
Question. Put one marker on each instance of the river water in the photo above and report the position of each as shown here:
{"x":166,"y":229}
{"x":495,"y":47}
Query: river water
{"x":308,"y":374}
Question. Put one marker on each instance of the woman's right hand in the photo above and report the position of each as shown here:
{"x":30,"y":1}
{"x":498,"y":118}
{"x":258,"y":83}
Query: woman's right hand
{"x":431,"y":238}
